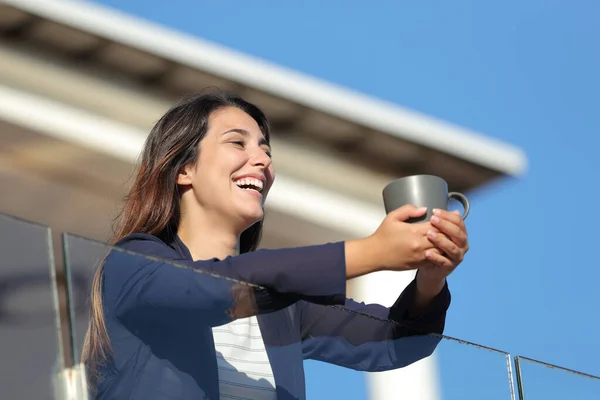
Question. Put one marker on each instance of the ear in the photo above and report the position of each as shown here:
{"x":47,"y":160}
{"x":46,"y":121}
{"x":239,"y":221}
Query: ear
{"x":185,"y":176}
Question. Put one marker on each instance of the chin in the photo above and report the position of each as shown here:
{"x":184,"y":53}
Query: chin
{"x":251,"y":216}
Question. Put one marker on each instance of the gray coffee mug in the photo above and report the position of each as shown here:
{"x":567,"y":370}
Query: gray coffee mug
{"x":421,"y":191}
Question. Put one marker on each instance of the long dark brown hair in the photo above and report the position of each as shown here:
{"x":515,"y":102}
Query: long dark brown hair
{"x":153,"y":203}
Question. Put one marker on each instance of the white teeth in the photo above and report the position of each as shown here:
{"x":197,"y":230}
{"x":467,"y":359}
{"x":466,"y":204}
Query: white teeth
{"x":255,"y":184}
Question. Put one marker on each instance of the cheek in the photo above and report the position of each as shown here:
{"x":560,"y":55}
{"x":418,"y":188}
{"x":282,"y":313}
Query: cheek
{"x":235,"y":161}
{"x":224,"y":165}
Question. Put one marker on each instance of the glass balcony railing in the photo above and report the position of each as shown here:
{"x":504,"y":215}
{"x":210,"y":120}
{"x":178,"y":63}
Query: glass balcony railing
{"x":30,"y":328}
{"x":537,"y":380}
{"x":45,"y":312}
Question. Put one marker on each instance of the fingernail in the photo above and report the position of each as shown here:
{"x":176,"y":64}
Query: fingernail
{"x":435,"y":220}
{"x":437,"y":211}
{"x":429,"y":254}
{"x":422,"y":209}
{"x":456,"y":212}
{"x":431,"y":234}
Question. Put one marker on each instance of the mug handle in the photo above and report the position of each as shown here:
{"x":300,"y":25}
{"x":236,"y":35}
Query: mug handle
{"x":463,"y":200}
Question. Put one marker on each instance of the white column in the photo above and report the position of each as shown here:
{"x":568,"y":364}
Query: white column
{"x":417,"y":381}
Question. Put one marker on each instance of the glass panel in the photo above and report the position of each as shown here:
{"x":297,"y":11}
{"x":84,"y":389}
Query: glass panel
{"x":29,"y":329}
{"x":471,"y":371}
{"x":162,"y":316}
{"x":456,"y":370}
{"x":165,"y":312}
{"x":82,"y":257}
{"x":539,"y":380}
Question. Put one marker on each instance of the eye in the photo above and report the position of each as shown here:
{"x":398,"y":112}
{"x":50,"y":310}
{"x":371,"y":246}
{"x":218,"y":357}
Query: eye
{"x":268,"y":152}
{"x":239,"y":143}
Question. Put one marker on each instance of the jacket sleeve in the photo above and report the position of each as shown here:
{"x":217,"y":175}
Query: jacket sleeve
{"x":150,"y":286}
{"x":371,"y":337}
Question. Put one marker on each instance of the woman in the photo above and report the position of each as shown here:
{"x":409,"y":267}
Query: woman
{"x":158,"y":331}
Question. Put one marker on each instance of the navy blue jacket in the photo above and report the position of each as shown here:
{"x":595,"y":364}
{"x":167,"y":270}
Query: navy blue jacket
{"x":159,"y":318}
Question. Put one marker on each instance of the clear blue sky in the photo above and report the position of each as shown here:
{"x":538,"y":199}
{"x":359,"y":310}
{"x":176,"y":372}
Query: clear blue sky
{"x":522,"y":71}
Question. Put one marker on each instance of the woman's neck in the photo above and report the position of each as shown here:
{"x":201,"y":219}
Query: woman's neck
{"x":208,"y":240}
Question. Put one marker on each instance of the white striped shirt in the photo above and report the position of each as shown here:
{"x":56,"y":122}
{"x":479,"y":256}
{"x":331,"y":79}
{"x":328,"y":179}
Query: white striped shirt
{"x":244,"y":368}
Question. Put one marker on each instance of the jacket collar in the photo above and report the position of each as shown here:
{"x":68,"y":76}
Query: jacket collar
{"x":182,"y":251}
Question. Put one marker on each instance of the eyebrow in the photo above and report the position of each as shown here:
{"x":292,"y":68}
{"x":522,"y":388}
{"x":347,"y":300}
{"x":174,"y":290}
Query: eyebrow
{"x":243,"y":132}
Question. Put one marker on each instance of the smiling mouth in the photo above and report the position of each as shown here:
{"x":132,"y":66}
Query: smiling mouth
{"x":250,"y":184}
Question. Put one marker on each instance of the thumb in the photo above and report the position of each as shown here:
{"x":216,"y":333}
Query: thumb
{"x":408,"y":211}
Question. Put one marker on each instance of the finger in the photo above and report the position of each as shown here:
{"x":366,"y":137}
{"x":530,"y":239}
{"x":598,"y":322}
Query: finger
{"x":423,"y":228}
{"x":408,"y":211}
{"x":439,"y":260}
{"x":423,"y":240}
{"x":454,"y":232}
{"x":452,"y":216}
{"x":446,"y":245}
{"x":429,"y":246}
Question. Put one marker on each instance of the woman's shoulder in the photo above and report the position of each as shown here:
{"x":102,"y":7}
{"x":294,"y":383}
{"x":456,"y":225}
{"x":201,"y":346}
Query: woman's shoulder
{"x":135,"y":253}
{"x":148,"y":245}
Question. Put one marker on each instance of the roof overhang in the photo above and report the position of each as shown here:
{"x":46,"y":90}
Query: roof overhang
{"x":361,"y":130}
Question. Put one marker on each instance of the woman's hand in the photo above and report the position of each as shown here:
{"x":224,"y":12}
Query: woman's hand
{"x":435,"y":248}
{"x":451,"y":240}
{"x":396,"y":245}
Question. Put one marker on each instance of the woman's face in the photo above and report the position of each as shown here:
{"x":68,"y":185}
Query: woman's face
{"x":234,"y":173}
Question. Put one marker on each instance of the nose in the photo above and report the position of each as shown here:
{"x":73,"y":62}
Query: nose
{"x":260,"y":158}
